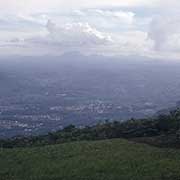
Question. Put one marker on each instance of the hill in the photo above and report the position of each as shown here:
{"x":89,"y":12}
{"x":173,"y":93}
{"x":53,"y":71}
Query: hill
{"x":161,"y":131}
{"x":93,"y":160}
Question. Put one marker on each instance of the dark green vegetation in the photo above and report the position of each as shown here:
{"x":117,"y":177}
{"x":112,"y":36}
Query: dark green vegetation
{"x":163,"y":131}
{"x":93,"y":160}
{"x":56,"y":156}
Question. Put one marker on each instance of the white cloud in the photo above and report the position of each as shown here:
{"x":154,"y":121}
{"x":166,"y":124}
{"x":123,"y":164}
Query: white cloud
{"x":164,"y":29}
{"x":109,"y":26}
{"x":165,"y":33}
{"x":76,"y":34}
{"x":125,"y":17}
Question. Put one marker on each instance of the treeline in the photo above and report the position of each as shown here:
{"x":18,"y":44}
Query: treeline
{"x":163,"y":130}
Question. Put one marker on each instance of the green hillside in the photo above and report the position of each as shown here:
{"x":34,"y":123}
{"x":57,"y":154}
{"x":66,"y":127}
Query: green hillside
{"x":116,"y":159}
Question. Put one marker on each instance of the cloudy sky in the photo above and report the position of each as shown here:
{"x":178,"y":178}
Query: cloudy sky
{"x":109,"y":27}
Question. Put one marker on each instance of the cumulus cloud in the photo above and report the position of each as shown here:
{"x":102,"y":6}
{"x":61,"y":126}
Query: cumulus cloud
{"x":113,"y":26}
{"x":76,"y":34}
{"x":165,"y":33}
{"x":164,"y":29}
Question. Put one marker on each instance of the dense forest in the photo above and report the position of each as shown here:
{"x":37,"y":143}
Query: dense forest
{"x":163,"y":131}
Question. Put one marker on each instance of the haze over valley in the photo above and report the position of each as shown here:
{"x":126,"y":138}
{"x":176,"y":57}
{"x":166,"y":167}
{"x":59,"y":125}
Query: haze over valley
{"x":44,"y":94}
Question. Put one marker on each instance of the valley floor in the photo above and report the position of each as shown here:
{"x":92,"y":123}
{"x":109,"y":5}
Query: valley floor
{"x":116,"y":159}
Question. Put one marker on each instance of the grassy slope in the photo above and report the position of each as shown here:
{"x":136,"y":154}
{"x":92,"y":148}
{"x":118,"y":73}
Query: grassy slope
{"x":99,"y":160}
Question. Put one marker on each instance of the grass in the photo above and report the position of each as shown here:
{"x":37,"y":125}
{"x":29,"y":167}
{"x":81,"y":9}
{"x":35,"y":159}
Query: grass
{"x":99,"y":160}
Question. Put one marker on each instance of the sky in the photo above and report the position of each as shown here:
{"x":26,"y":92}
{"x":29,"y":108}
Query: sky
{"x":108,"y":27}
